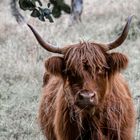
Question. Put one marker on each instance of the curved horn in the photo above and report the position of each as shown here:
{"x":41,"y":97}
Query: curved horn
{"x":45,"y":45}
{"x":122,"y":37}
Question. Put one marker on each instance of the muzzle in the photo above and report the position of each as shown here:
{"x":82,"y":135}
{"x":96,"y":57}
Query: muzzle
{"x":86,"y":99}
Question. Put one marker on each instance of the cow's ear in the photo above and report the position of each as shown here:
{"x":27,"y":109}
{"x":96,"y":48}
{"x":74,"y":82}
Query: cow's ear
{"x":117,"y":62}
{"x":55,"y":65}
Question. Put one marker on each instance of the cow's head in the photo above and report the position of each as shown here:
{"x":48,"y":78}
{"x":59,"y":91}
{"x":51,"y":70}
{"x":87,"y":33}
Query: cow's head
{"x":86,"y":67}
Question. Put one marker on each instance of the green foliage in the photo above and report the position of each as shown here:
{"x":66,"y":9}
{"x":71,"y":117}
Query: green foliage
{"x":42,"y":13}
{"x":58,"y":7}
{"x":37,"y":12}
{"x":45,"y":13}
{"x":28,"y":4}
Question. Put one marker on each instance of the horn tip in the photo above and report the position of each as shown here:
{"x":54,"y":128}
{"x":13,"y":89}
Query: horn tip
{"x":28,"y":25}
{"x":130,"y":18}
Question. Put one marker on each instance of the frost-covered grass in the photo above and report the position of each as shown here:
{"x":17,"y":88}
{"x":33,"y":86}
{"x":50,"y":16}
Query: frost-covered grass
{"x":21,"y":58}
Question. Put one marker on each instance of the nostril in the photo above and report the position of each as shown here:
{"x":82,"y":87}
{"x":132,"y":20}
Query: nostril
{"x":92,"y":95}
{"x":81,"y":96}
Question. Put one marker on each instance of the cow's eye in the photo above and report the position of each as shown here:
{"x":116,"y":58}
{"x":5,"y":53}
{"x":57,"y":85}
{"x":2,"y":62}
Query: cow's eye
{"x":87,"y":67}
{"x":75,"y":79}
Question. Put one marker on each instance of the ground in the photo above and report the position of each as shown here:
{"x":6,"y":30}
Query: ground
{"x":22,"y":59}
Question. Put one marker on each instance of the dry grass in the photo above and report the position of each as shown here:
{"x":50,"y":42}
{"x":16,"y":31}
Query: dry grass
{"x":21,"y":60}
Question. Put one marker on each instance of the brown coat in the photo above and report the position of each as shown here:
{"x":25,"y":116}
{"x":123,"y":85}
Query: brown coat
{"x":113,"y":118}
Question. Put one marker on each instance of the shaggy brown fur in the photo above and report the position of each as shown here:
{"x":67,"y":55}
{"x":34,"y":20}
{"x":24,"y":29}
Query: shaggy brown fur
{"x":86,"y":66}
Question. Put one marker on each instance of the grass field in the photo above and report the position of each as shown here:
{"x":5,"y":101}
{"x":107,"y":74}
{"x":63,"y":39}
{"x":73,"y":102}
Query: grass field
{"x":21,"y":58}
